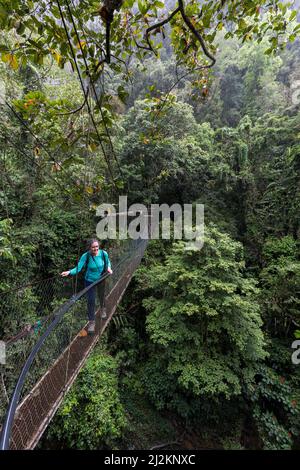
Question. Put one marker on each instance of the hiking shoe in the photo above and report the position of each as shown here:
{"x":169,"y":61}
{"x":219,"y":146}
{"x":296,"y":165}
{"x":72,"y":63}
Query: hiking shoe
{"x":91,"y":327}
{"x":82,"y":333}
{"x":103,"y":313}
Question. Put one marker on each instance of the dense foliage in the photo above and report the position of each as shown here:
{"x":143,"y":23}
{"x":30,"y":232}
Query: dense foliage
{"x":91,"y":414}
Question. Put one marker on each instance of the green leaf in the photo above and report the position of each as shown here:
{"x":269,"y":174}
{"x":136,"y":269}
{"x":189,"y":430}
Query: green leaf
{"x":122,"y":93}
{"x":293,"y":15}
{"x":143,"y":7}
{"x":127,"y":4}
{"x":21,"y":28}
{"x":72,"y":161}
{"x":269,"y":51}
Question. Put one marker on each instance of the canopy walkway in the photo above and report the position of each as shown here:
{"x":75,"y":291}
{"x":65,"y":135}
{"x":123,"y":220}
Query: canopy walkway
{"x":44,"y":359}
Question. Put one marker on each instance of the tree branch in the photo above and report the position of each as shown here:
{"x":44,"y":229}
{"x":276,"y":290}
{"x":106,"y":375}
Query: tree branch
{"x":165,"y":444}
{"x":196,"y":33}
{"x":158,"y":25}
{"x":107,"y":14}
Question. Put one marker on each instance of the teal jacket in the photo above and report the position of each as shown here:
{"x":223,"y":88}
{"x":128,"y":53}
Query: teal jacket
{"x":94,"y":268}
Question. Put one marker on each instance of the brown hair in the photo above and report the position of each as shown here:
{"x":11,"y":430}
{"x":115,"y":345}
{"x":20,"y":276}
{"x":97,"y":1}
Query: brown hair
{"x":91,"y":241}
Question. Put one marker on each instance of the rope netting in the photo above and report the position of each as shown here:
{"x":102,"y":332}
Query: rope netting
{"x":64,"y":349}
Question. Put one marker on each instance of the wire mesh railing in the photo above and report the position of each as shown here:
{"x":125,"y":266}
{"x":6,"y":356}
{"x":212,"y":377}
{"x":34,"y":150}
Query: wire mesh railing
{"x":53,"y":352}
{"x":23,"y":306}
{"x":25,"y":313}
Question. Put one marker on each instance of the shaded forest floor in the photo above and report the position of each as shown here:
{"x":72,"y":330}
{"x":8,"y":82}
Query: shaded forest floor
{"x":151,"y":429}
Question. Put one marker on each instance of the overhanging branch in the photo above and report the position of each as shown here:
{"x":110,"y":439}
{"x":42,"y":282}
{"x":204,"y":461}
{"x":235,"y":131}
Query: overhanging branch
{"x":188,"y":23}
{"x":159,"y":25}
{"x":195,"y":32}
{"x":107,"y":14}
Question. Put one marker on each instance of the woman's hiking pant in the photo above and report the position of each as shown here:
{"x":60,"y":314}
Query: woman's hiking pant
{"x":91,"y":297}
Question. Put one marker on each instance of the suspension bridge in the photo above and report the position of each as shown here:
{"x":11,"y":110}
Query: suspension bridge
{"x":44,"y":358}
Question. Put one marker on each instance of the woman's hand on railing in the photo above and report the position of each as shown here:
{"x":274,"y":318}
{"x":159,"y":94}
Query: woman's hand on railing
{"x":65,"y":273}
{"x":109,"y":270}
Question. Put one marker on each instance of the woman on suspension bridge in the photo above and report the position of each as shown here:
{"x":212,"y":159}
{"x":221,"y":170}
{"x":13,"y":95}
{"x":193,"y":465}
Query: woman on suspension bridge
{"x":96,"y":263}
